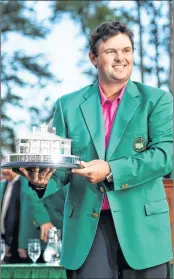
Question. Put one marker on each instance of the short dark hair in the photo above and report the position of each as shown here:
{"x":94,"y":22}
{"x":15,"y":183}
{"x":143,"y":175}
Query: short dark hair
{"x":106,"y":30}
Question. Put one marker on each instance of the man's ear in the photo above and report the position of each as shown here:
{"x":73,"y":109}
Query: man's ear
{"x":93,"y":59}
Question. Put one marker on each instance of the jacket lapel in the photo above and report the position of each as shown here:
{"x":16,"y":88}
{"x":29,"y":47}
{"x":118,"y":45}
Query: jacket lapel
{"x":126,"y":110}
{"x":92,"y":113}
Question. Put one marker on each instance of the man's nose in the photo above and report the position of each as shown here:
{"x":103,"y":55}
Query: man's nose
{"x":119,"y":56}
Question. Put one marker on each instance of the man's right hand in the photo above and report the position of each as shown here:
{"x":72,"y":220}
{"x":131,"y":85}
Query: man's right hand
{"x":38,"y":178}
{"x":44,"y":231}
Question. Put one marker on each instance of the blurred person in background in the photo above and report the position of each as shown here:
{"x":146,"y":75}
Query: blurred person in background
{"x":27,"y":226}
{"x":11,"y":185}
{"x":38,"y":216}
{"x":23,"y":216}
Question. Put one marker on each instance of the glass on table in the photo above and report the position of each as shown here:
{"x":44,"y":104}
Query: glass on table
{"x":2,"y":249}
{"x":53,"y":249}
{"x":34,"y":249}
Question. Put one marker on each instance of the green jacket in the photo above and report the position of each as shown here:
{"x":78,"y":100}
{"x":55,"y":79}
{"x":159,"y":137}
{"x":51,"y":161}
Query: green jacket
{"x":32,"y":210}
{"x":139,"y":154}
{"x":25,"y":224}
{"x":27,"y":228}
{"x":2,"y":189}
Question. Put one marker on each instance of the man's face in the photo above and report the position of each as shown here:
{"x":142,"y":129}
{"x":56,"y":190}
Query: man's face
{"x":7,"y":174}
{"x":114,"y":61}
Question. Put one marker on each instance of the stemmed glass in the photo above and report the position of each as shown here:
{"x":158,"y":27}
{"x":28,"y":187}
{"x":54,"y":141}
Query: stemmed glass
{"x":2,"y":249}
{"x":34,"y":249}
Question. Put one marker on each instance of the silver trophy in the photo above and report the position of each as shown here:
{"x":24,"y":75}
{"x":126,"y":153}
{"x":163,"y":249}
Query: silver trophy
{"x":42,"y":149}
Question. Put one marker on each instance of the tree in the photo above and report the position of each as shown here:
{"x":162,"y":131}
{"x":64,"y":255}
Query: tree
{"x":20,"y":70}
{"x":155,"y":39}
{"x":141,"y":54}
{"x":88,"y":14}
{"x":158,"y":32}
{"x":170,"y":46}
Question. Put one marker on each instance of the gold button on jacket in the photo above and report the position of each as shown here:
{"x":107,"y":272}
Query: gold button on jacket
{"x":34,"y":223}
{"x":102,"y":190}
{"x":124,"y":186}
{"x":95,"y":215}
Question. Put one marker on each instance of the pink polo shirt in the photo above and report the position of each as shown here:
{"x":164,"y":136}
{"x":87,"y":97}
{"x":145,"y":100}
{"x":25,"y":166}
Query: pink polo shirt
{"x":109,"y":110}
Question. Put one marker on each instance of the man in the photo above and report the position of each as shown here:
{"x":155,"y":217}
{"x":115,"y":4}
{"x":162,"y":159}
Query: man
{"x":122,"y":131}
{"x":10,"y":214}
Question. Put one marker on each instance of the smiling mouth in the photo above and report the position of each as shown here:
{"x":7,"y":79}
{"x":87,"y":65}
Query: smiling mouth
{"x":119,"y":66}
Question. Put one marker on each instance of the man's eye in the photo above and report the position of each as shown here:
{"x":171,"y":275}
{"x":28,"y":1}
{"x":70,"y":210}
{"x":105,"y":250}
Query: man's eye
{"x":110,"y":51}
{"x":127,"y":50}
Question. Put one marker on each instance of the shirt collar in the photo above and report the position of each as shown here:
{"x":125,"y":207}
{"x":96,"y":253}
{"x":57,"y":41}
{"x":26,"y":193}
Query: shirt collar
{"x":104,"y":99}
{"x":14,"y":180}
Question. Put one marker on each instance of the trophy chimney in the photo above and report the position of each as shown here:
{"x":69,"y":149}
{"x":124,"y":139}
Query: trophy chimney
{"x":44,"y":128}
{"x":54,"y":130}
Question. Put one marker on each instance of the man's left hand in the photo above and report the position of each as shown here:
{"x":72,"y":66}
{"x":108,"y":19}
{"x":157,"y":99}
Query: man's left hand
{"x":95,"y":171}
{"x":44,"y":228}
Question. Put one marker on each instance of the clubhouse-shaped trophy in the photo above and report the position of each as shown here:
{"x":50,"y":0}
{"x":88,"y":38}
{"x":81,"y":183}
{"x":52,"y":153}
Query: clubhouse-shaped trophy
{"x":42,"y":149}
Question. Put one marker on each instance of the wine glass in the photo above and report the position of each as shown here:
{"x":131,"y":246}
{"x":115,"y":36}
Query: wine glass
{"x":34,"y":249}
{"x":2,"y":249}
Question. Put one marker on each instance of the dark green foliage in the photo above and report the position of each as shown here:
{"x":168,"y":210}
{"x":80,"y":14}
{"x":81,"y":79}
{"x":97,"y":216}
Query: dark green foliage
{"x":146,"y":16}
{"x":20,"y":18}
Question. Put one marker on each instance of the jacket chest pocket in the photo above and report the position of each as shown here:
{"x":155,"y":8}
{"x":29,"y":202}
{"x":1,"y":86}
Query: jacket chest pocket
{"x":134,"y":143}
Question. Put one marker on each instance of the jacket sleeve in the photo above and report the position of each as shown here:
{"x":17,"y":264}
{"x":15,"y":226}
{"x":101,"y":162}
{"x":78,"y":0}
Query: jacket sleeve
{"x":50,"y":208}
{"x":156,"y":160}
{"x":39,"y":211}
{"x":54,"y":204}
{"x":29,"y":203}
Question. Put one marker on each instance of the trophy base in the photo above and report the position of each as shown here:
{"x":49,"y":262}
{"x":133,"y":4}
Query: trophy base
{"x":40,"y":165}
{"x":61,"y":162}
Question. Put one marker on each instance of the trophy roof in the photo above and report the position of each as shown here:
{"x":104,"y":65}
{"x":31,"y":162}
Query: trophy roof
{"x":43,"y":136}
